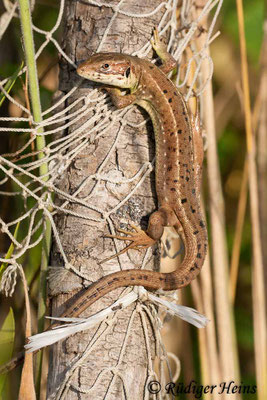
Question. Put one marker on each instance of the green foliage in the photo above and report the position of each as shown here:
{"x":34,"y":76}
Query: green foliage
{"x":7,"y":335}
{"x":46,"y":99}
{"x":228,"y":148}
{"x":45,"y":16}
{"x":254,"y":17}
{"x":10,"y":83}
{"x":245,"y":329}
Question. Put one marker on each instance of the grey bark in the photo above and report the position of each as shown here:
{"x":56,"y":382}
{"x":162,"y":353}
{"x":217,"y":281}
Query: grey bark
{"x":83,"y":242}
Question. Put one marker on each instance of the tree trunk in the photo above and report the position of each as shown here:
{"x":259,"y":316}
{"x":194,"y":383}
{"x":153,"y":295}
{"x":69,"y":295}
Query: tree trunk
{"x":118,"y":361}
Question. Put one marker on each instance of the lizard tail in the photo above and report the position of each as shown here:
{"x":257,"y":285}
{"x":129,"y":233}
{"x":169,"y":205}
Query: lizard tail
{"x":151,"y":280}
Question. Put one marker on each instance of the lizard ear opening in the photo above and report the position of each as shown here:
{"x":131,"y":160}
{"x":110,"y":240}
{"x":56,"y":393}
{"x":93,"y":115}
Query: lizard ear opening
{"x":128,"y":71}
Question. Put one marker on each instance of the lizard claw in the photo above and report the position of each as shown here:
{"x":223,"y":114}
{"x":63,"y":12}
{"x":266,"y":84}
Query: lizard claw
{"x":138,"y":239}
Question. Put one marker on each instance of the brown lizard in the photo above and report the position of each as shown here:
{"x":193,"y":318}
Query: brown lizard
{"x":179,"y":157}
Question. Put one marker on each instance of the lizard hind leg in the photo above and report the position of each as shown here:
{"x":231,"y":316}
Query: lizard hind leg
{"x":143,"y":239}
{"x":138,"y":238}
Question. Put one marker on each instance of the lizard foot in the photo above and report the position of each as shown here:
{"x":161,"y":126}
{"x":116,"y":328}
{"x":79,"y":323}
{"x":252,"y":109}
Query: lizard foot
{"x":138,"y":239}
{"x":168,"y":62}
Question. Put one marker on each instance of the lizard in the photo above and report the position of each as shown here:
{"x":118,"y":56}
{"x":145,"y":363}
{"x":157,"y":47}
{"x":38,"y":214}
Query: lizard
{"x":179,"y":158}
{"x":178,"y":171}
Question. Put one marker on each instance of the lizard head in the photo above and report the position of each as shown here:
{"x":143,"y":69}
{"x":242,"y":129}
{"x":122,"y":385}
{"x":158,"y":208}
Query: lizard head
{"x":114,"y":69}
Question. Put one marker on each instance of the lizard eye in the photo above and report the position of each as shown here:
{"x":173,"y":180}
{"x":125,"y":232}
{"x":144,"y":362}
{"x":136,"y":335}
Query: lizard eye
{"x":105,"y":66}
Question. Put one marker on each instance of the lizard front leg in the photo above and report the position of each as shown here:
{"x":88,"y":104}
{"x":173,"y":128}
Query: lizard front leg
{"x":168,"y":61}
{"x":119,"y":99}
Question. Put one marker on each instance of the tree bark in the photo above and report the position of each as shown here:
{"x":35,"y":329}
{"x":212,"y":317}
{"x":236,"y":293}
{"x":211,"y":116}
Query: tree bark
{"x":82,"y":240}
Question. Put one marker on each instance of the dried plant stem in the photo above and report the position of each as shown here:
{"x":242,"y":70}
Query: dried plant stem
{"x":259,"y":313}
{"x":203,"y":350}
{"x":262,"y":144}
{"x":27,"y":390}
{"x":202,"y":293}
{"x":241,"y":210}
{"x":210,"y":331}
{"x":224,"y":313}
{"x":224,"y":366}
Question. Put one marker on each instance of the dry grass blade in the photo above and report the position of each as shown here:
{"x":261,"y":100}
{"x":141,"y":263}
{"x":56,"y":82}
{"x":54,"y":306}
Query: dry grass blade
{"x":259,"y":313}
{"x":27,"y":390}
{"x":262,"y":146}
{"x":224,"y":313}
{"x":241,"y":210}
{"x":202,"y":338}
{"x":202,"y":293}
{"x":222,"y":366}
{"x":210,"y":331}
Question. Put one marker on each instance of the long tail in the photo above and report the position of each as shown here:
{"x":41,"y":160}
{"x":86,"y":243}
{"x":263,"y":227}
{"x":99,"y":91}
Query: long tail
{"x":185,"y":273}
